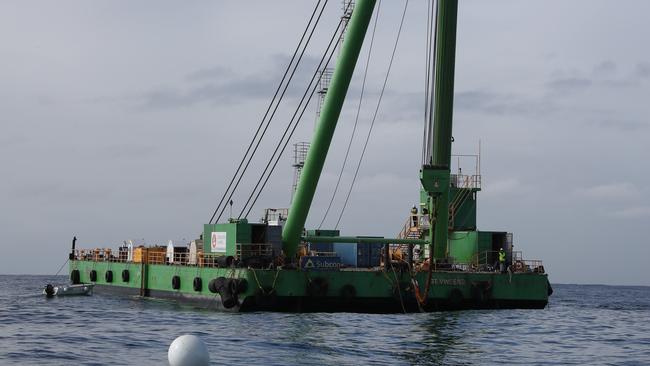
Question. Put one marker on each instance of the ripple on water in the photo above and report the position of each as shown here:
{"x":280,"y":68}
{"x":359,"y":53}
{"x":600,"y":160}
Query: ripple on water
{"x":583,"y":325}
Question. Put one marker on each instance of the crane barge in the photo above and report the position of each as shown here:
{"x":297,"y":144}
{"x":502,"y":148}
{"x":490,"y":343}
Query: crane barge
{"x":439,"y":261}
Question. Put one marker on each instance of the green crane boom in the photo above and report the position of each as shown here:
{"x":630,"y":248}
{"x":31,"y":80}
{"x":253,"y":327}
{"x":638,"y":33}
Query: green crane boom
{"x":329,"y":116}
{"x":435,"y":175}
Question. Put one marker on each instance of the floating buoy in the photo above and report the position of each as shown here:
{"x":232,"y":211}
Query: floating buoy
{"x":188,"y":350}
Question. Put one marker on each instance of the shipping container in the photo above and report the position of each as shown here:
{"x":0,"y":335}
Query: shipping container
{"x":347,"y":252}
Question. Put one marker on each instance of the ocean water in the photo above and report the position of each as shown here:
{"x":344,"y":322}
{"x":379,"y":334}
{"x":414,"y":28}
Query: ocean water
{"x":584,"y":325}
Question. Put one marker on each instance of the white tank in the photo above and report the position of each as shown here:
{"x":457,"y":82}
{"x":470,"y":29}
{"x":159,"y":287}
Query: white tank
{"x":129,"y":251}
{"x":170,"y":252}
{"x":193,"y":253}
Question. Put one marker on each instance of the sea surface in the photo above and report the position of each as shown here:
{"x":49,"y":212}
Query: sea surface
{"x":584,"y":325}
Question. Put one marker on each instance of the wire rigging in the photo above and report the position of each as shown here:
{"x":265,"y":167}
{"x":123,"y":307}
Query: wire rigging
{"x":374,"y":117}
{"x":224,"y":202}
{"x":356,"y":119}
{"x":331,"y":47}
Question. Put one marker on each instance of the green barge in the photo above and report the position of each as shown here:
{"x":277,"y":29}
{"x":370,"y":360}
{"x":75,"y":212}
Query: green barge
{"x":438,"y":261}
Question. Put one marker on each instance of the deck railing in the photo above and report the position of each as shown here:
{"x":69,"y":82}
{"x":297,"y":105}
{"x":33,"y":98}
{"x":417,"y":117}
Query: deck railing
{"x":482,"y":262}
{"x":153,"y":255}
{"x":489,"y":261}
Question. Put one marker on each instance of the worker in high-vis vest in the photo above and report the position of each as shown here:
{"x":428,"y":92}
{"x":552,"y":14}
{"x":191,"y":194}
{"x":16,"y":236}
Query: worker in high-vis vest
{"x":414,"y":217}
{"x":502,"y":260}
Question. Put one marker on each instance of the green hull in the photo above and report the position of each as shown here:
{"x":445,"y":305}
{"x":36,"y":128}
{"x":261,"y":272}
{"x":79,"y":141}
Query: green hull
{"x":366,"y":291}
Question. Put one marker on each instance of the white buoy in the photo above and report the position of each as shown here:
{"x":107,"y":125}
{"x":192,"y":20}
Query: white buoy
{"x":188,"y":350}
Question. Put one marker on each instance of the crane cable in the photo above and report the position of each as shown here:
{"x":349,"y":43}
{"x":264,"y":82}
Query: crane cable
{"x":274,"y":111}
{"x":225,"y":201}
{"x":275,"y":156}
{"x":374,"y":117}
{"x":356,"y":119}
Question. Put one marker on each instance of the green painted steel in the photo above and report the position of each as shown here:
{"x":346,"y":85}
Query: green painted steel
{"x":444,"y":85}
{"x":484,"y":241}
{"x":463,"y":245}
{"x":286,"y":283}
{"x":84,"y":267}
{"x":330,"y":112}
{"x":322,"y":232}
{"x":234,"y":232}
{"x":361,"y":239}
{"x":443,"y":116}
{"x":465,"y":213}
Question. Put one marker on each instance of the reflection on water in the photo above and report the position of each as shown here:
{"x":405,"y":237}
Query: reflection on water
{"x":584,"y":325}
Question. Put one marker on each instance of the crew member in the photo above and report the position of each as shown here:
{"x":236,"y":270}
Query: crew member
{"x":414,"y":217}
{"x":72,"y":252}
{"x":502,"y":260}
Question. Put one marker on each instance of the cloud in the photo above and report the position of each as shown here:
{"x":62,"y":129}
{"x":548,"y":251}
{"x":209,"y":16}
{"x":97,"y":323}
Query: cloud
{"x":603,"y":75}
{"x":633,"y":212}
{"x":508,"y":186}
{"x":501,"y":104}
{"x":217,"y":72}
{"x":642,"y":70}
{"x":605,"y":68}
{"x":621,"y":125}
{"x":12,"y":141}
{"x":129,"y":151}
{"x":217,"y":93}
{"x":614,"y":191}
{"x":473,"y":99}
{"x":48,"y":191}
{"x":221,"y":86}
{"x":568,"y":85}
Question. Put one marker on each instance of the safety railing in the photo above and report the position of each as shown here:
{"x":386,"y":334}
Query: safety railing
{"x":486,"y":261}
{"x":414,"y":226}
{"x":465,"y":181}
{"x":159,"y":255}
{"x":489,"y":261}
{"x":247,"y":250}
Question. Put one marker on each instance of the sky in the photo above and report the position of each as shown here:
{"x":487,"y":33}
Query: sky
{"x":126,"y":120}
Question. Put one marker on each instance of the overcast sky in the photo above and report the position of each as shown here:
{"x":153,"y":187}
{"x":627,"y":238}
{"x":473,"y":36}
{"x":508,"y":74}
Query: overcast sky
{"x":125,"y":120}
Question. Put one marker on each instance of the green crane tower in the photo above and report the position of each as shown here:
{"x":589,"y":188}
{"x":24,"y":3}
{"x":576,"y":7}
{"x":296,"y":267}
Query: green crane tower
{"x":435,"y":173}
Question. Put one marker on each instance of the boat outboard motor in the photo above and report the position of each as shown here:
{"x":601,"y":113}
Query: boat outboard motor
{"x":49,"y":290}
